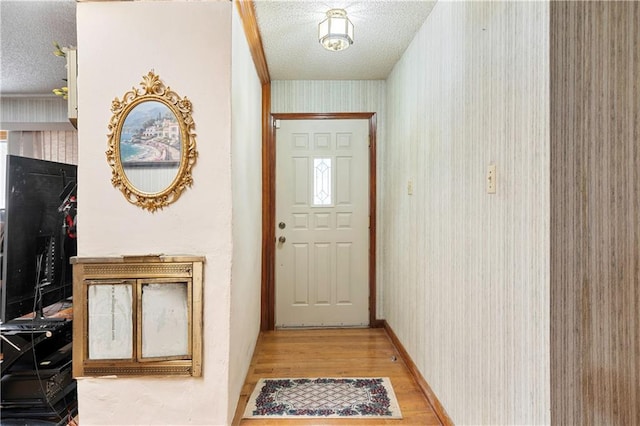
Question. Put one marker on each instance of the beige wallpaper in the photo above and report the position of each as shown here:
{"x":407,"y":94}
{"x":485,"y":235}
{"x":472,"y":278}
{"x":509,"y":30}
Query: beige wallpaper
{"x":59,"y":146}
{"x":50,"y":109}
{"x":466,"y":273}
{"x":595,"y":227}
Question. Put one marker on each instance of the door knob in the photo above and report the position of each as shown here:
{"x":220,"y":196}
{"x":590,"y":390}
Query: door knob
{"x":282,"y":225}
{"x":282,"y":239}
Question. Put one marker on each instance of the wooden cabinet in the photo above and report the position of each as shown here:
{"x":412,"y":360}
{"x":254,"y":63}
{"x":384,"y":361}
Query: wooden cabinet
{"x":137,"y":315}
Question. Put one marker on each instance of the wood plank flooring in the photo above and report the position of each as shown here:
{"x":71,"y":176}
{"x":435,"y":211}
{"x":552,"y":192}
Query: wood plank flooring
{"x":335,"y":353}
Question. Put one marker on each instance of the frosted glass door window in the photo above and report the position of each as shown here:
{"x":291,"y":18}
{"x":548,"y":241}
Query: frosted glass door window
{"x":110,"y":321}
{"x":322,"y":182}
{"x":165,"y":320}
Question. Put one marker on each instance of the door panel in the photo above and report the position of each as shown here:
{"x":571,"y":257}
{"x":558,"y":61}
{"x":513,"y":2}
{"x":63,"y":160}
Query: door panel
{"x":322,"y":198}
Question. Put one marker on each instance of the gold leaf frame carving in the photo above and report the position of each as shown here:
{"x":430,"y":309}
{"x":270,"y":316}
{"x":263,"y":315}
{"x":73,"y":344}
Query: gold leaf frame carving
{"x":152,"y":89}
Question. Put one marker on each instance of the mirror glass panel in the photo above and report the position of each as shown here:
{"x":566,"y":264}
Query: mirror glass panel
{"x":152,"y":144}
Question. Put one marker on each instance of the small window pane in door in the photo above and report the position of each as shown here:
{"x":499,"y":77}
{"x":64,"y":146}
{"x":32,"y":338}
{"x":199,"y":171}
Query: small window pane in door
{"x":322,"y":193}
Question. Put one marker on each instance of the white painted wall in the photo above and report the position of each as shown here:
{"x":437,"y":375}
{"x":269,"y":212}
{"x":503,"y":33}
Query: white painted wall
{"x":466,"y":274}
{"x":188,"y":44}
{"x":340,"y":96}
{"x":246,"y":180}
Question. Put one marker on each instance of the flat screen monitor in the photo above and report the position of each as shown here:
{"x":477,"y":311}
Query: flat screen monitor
{"x":39,"y":236}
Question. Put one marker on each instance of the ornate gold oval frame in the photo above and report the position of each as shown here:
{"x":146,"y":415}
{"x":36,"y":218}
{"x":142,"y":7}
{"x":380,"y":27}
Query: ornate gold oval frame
{"x":153,"y":89}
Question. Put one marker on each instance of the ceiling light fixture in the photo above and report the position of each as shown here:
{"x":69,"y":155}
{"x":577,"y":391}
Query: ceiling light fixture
{"x":336,"y":32}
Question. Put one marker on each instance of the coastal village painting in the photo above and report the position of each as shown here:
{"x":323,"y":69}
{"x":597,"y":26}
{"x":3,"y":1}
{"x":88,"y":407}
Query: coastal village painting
{"x":150,"y":136}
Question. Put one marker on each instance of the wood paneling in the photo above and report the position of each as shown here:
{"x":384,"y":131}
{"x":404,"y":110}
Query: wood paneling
{"x":595,"y":213}
{"x":466,"y":273}
{"x":247,"y":12}
{"x":267,"y":298}
{"x":335,"y":353}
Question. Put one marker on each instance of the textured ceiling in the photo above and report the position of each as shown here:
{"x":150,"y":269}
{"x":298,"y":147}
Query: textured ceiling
{"x":27,"y":32}
{"x":382,"y":32}
{"x":289,"y":29}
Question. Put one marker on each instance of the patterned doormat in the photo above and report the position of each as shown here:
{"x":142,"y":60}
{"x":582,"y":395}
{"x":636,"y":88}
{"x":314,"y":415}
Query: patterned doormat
{"x":323,"y":397}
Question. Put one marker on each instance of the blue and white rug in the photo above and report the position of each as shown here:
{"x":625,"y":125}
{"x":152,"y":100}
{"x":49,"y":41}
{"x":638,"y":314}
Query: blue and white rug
{"x":323,"y":397}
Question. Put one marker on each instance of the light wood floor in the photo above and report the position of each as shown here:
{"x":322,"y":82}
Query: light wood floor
{"x":335,"y":353}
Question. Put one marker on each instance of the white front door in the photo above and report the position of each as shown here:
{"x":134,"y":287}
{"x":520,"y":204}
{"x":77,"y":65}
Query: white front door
{"x":322,"y":223}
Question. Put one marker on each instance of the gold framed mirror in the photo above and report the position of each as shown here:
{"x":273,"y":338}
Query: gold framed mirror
{"x":152,"y":144}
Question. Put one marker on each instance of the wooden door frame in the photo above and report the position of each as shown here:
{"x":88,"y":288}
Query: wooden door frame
{"x":267,"y":302}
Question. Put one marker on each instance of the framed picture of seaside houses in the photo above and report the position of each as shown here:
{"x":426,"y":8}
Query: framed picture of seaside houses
{"x":152,"y":146}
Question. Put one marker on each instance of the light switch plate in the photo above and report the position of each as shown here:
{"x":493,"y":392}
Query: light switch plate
{"x":491,"y":179}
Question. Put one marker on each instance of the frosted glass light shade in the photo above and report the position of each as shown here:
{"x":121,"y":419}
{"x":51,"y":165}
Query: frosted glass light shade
{"x":336,"y":32}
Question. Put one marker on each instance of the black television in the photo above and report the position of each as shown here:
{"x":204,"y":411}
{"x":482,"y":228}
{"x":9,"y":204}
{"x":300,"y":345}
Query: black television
{"x":39,"y":235}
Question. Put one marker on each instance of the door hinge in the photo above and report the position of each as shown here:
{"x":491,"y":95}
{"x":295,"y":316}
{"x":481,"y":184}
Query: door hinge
{"x":276,"y":123}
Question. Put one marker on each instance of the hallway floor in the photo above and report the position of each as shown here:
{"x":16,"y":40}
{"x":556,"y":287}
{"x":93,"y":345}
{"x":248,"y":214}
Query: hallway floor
{"x":335,"y":353}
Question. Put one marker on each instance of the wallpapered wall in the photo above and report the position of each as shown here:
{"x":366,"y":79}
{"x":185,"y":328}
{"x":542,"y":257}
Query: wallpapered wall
{"x":60,"y":146}
{"x":466,"y":273}
{"x":595,"y":226}
{"x":26,"y":113}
